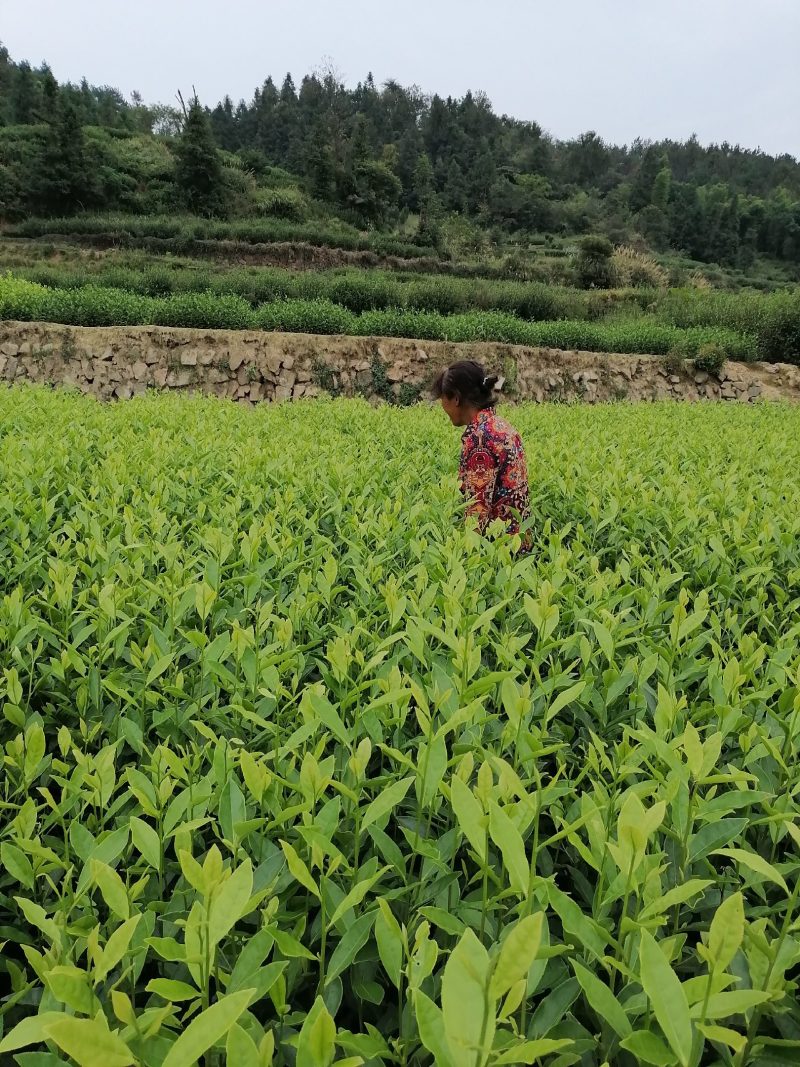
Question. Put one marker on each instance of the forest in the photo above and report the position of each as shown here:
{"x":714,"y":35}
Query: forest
{"x":385,"y":158}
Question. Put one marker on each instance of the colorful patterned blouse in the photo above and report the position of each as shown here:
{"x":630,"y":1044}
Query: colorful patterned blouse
{"x":492,"y":472}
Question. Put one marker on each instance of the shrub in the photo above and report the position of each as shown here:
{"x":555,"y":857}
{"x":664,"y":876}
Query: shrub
{"x":674,"y":361}
{"x":710,"y":357}
{"x":593,"y":265}
{"x":205,"y":311}
{"x":20,"y":300}
{"x":282,"y":204}
{"x":779,"y":336}
{"x":305,"y":316}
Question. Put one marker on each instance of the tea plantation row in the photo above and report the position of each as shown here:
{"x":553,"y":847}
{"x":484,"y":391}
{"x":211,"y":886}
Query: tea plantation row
{"x":97,"y":306}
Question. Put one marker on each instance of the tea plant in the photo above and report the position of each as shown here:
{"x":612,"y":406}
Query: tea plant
{"x":97,"y":306}
{"x":298,"y":769}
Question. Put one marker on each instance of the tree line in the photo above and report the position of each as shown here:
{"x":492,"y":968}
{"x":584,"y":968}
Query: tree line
{"x":375,"y":155}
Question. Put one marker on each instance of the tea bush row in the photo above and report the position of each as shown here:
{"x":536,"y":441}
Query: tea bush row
{"x":192,"y":228}
{"x":98,"y":306}
{"x":773,"y":319}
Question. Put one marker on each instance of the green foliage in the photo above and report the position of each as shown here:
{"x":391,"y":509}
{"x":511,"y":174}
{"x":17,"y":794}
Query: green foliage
{"x":593,"y":266}
{"x":95,"y":306}
{"x":298,"y":767}
{"x":198,"y":171}
{"x":64,"y":181}
{"x":450,"y":170}
{"x":181,"y":234}
{"x":711,"y":358}
{"x":779,"y":338}
{"x":675,"y":361}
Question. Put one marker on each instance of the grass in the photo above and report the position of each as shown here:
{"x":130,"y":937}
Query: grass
{"x":295,"y":766}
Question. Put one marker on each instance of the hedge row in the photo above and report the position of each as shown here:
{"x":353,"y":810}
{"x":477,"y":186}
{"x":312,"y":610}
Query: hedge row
{"x":98,"y":306}
{"x":774,"y":319}
{"x":191,"y":228}
{"x":356,"y":290}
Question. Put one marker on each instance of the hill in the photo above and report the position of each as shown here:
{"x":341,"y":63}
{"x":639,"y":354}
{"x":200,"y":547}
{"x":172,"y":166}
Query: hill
{"x":448,"y":175}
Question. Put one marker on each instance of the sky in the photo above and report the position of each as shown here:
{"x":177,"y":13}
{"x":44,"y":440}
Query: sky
{"x":723,"y":69}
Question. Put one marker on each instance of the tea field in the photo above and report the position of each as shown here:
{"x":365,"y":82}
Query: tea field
{"x":298,"y":770}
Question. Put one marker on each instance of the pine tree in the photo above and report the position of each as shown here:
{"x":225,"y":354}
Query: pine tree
{"x":198,"y":174}
{"x":454,"y":192}
{"x":426,"y":201}
{"x":359,"y":142}
{"x":661,"y":189}
{"x":223,"y":125}
{"x":64,"y":182}
{"x":23,"y":96}
{"x":320,"y":166}
{"x":645,"y":180}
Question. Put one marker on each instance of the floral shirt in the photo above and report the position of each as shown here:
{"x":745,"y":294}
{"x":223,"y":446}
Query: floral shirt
{"x":493,"y":473}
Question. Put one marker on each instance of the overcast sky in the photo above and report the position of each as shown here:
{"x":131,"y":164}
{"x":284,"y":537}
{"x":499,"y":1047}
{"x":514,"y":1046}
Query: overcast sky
{"x":724,"y":69}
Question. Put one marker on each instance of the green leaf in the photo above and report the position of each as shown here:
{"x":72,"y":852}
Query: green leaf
{"x":667,"y":997}
{"x":240,"y":1049}
{"x":724,"y":1035}
{"x":90,"y":1043}
{"x":172,"y":989}
{"x":727,"y":931}
{"x":356,"y":895}
{"x":145,"y":839}
{"x":604,"y":639}
{"x":386,"y":801}
{"x":679,"y":895}
{"x":71,"y":986}
{"x":17,"y":864}
{"x":564,"y":698}
{"x":290,"y":946}
{"x":732,"y":1002}
{"x":116,"y":947}
{"x":649,"y":1048}
{"x":316,"y":1045}
{"x":229,"y":902}
{"x":389,"y":938}
{"x":298,"y":869}
{"x":111,"y":887}
{"x":254,"y":952}
{"x":315,"y":705}
{"x":206,"y":1029}
{"x":531,"y":1051}
{"x":467,"y":1009}
{"x":509,"y":840}
{"x":432,"y":765}
{"x":471,"y":820}
{"x":353,"y":941}
{"x":444,"y":920}
{"x":430,"y":1024}
{"x":606,"y":1006}
{"x":755,"y":863}
{"x":37,"y":916}
{"x":590,"y":934}
{"x":34,"y":750}
{"x":712,"y":835}
{"x":29,"y":1031}
{"x":517,"y":954}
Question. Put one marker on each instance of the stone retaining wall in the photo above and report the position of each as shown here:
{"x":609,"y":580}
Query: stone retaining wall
{"x":121,"y":362}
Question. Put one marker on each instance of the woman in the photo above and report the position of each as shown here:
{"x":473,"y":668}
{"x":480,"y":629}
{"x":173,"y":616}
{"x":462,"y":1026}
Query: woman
{"x":492,"y":472}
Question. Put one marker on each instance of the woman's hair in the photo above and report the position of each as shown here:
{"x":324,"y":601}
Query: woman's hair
{"x":468,"y":381}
